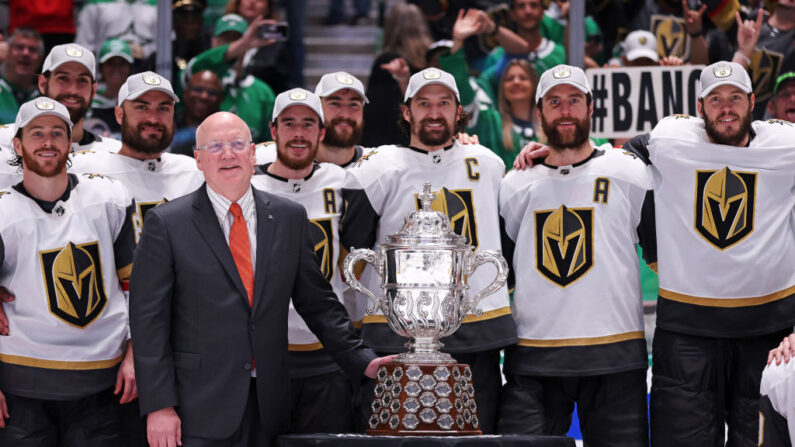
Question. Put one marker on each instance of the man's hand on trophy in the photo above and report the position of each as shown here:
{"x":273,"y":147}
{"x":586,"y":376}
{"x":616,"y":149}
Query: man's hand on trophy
{"x":531,"y":151}
{"x":5,"y":297}
{"x":372,"y":368}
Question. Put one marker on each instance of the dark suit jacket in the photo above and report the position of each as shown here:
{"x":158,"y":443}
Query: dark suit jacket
{"x":194,"y":334}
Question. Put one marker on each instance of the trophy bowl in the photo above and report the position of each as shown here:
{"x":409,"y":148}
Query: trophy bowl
{"x":424,"y":270}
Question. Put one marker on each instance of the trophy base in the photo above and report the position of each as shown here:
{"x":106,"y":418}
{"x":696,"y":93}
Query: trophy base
{"x":424,"y":400}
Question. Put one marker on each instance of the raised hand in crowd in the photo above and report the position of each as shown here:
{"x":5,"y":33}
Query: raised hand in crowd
{"x":399,"y":69}
{"x":693,"y":18}
{"x":470,"y":22}
{"x":747,"y":36}
{"x":249,"y":39}
{"x":671,"y":61}
{"x":785,"y":351}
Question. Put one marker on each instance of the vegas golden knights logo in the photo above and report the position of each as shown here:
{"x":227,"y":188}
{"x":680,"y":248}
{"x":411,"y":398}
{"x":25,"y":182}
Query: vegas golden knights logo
{"x":322,"y":235}
{"x":564,"y":244}
{"x":764,"y":68}
{"x":672,"y":38}
{"x":459,"y":206}
{"x":724,"y":208}
{"x":138,"y":218}
{"x":73,"y":281}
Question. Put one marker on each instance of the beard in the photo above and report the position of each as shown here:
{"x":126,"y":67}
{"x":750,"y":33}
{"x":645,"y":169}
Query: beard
{"x":74,"y":114}
{"x":429,"y":137}
{"x":297,"y":164}
{"x":556,"y":141}
{"x":729,"y":139}
{"x":30,"y":162}
{"x":334,"y":139}
{"x":153,"y":145}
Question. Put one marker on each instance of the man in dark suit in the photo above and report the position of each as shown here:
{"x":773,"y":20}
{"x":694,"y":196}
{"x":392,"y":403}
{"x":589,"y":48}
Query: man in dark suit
{"x":210,"y":336}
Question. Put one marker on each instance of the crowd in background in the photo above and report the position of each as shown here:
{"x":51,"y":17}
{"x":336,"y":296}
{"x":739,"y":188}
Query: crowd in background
{"x":495,"y":49}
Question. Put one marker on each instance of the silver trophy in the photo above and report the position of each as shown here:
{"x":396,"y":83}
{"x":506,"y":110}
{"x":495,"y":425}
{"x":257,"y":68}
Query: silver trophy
{"x":424,"y":269}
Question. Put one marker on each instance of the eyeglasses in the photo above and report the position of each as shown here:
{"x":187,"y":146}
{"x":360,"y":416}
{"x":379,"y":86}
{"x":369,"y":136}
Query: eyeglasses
{"x":216,"y":147}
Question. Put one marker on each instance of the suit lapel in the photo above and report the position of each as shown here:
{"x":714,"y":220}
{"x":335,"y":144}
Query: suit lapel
{"x":265,"y":228}
{"x":206,"y":221}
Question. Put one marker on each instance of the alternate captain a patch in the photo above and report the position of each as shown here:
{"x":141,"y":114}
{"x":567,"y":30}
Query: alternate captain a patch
{"x":564,"y":244}
{"x":724,"y":206}
{"x":74,"y":284}
{"x":322,"y":235}
{"x":459,"y":206}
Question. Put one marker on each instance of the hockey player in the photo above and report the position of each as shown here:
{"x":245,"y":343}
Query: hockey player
{"x":320,"y":392}
{"x":66,"y":247}
{"x":725,"y":242}
{"x":382,"y":190}
{"x":69,"y":77}
{"x":574,"y":220}
{"x":146,"y":114}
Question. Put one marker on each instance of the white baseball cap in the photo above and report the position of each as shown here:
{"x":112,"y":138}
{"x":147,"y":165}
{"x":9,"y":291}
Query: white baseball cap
{"x":430,"y":76}
{"x":333,"y":82}
{"x":724,"y":73}
{"x":297,"y":97}
{"x":39,"y":107}
{"x":640,"y":44}
{"x":562,"y":74}
{"x":70,"y":52}
{"x":140,"y":83}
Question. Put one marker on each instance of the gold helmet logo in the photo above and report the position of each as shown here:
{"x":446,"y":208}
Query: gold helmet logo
{"x":73,"y":51}
{"x":765,"y":67}
{"x":564,"y":244}
{"x":458,"y":205}
{"x":725,"y":206}
{"x":45,"y":104}
{"x":297,"y":95}
{"x":642,"y":40}
{"x":561,"y":72}
{"x":431,"y":74}
{"x":151,"y":80}
{"x":722,"y":71}
{"x":671,"y":35}
{"x":342,"y":78}
{"x":75,"y":289}
{"x":322,"y":235}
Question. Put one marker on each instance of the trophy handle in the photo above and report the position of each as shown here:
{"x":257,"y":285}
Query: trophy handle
{"x":476,"y":260}
{"x":368,"y":256}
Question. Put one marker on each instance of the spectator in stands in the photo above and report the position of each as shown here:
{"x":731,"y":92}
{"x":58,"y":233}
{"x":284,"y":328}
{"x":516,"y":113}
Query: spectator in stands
{"x":406,"y":39}
{"x":53,"y":20}
{"x":271,"y":63}
{"x":641,"y":50}
{"x":782,"y":104}
{"x":188,"y":38}
{"x":243,"y":94}
{"x":336,"y":15}
{"x":765,"y":48}
{"x":18,"y":72}
{"x":134,"y":21}
{"x":202,"y":98}
{"x":542,"y":53}
{"x":115,"y":66}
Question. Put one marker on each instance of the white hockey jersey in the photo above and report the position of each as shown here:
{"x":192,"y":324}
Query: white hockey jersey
{"x":320,"y":194}
{"x":725,"y":229}
{"x":575,"y":264}
{"x":151,"y":182}
{"x":69,"y":318}
{"x":383,"y":188}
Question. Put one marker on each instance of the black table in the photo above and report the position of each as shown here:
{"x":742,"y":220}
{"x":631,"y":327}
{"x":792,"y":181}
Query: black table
{"x":354,"y":440}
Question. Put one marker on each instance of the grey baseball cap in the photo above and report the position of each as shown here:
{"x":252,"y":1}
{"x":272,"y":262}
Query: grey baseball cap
{"x":562,"y":74}
{"x":430,"y":76}
{"x":724,"y":73}
{"x":140,"y":83}
{"x":39,"y":107}
{"x":70,"y":52}
{"x":297,"y":97}
{"x":641,"y":43}
{"x":334,"y":82}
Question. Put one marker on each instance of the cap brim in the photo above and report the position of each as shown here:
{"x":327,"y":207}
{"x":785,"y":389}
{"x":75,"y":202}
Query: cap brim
{"x":411,"y":94}
{"x":642,"y":52}
{"x":55,"y":67}
{"x":137,"y":95}
{"x":68,"y":121}
{"x":124,"y":56}
{"x":541,"y":93}
{"x":346,"y":87}
{"x":717,"y":84}
{"x":294,"y":104}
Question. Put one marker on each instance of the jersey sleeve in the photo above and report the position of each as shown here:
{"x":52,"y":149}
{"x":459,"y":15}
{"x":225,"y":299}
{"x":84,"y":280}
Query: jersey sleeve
{"x":639,"y":146}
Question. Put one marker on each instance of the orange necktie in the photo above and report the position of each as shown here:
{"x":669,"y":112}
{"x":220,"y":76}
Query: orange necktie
{"x":241,"y":250}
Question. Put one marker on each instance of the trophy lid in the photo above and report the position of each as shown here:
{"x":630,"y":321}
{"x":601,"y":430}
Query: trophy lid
{"x":426,"y":227}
